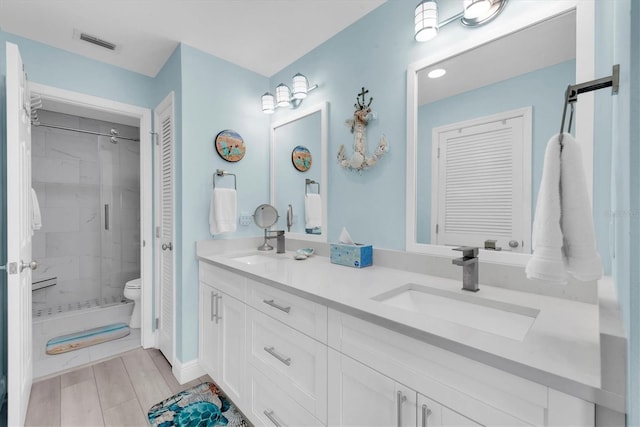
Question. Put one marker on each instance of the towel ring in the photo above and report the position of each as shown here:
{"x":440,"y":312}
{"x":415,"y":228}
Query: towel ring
{"x":307,"y":183}
{"x":220,"y":172}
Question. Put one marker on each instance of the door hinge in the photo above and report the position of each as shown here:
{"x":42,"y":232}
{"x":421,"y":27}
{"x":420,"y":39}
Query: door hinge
{"x":154,"y":136}
{"x":437,"y":228}
{"x":158,"y":231}
{"x":438,"y":152}
{"x":157,"y":323}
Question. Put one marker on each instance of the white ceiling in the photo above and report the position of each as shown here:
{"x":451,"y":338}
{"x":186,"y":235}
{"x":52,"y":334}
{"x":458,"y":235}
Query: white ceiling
{"x":261,"y":35}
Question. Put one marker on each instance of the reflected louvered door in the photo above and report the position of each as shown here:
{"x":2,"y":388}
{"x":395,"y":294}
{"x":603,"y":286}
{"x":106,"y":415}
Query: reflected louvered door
{"x":481,"y":192}
{"x":164,"y":123}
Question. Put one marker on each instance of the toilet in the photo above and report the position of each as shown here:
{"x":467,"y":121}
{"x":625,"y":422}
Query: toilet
{"x":132,"y":291}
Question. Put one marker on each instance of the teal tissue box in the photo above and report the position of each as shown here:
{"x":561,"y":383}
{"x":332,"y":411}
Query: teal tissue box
{"x":357,"y":255}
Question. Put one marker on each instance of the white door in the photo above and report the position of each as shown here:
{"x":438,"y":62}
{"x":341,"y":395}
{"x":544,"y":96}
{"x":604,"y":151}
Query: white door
{"x":19,"y":230}
{"x":164,"y":131}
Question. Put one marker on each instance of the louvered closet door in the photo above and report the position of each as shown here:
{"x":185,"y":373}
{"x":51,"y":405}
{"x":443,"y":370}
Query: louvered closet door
{"x":164,"y":128}
{"x":482,"y":193}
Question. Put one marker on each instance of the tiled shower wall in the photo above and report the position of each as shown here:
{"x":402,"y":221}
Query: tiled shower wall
{"x":74,"y":176}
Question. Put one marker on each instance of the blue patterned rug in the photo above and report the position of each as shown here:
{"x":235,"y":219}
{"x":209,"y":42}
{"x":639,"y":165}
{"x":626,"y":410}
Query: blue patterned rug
{"x":201,"y":406}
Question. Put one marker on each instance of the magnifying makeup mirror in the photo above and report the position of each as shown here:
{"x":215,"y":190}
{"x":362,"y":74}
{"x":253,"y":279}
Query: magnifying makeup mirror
{"x":265,"y":216}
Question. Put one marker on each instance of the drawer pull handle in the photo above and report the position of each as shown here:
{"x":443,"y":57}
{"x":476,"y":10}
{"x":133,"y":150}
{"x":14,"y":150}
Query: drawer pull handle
{"x":278,"y":306}
{"x":213,"y":304}
{"x":271,"y":350}
{"x":401,"y":399}
{"x":269,"y":414}
{"x":425,"y":414}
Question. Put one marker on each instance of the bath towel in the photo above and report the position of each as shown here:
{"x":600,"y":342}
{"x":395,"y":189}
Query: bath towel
{"x":547,"y":261}
{"x":581,"y":256}
{"x":563,"y":233}
{"x":36,"y":216}
{"x":222,"y":211}
{"x":313,"y":210}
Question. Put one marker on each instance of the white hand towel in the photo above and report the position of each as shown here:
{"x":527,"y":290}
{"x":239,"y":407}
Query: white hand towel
{"x":222,"y":211}
{"x":36,"y":216}
{"x":313,"y":210}
{"x":547,"y":261}
{"x":583,"y":261}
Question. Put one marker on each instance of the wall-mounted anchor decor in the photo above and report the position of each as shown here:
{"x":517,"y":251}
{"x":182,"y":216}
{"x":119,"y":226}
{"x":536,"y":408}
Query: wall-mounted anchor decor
{"x":361,"y":116}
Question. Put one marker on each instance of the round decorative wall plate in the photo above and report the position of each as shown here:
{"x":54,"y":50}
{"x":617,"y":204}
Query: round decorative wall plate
{"x":301,"y":158}
{"x":230,"y":145}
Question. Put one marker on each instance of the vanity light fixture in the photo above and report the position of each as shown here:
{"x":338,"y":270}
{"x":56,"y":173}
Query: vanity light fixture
{"x":426,"y":20}
{"x":474,"y":13}
{"x":285,"y":97}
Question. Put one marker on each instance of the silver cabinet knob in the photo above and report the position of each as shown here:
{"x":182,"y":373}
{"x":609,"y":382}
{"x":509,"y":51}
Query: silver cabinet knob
{"x":166,"y":246}
{"x":32,"y":265}
{"x":513,"y":243}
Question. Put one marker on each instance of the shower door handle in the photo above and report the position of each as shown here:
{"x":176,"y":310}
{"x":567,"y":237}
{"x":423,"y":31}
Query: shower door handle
{"x":106,"y":216}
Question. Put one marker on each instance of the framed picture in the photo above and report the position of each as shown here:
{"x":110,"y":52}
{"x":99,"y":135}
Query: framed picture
{"x":301,"y":158}
{"x":230,"y":145}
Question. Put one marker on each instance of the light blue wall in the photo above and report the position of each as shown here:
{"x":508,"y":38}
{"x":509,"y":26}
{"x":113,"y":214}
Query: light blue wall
{"x":541,"y":89}
{"x":216,"y":95}
{"x":617,"y":127}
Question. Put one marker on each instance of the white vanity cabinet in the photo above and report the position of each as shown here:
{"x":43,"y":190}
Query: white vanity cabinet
{"x":288,"y":361}
{"x":222,"y":334}
{"x":361,"y":396}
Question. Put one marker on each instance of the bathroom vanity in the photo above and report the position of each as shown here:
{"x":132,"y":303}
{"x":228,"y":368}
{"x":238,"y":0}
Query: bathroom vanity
{"x":314,"y":343}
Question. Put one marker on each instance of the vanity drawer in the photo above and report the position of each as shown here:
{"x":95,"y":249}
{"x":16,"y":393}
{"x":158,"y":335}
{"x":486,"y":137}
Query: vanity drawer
{"x":271,"y":406}
{"x":290,"y":359}
{"x":306,"y":316}
{"x":224,"y":280}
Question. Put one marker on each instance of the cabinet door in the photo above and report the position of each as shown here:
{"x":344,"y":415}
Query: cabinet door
{"x":429,"y":412}
{"x":208,"y":336}
{"x":360,"y":396}
{"x":231,"y":331}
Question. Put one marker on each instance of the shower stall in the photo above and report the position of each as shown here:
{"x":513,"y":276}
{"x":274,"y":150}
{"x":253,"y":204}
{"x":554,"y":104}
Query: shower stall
{"x":87,"y":183}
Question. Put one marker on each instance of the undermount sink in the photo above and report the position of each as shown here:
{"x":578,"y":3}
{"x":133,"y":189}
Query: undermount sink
{"x":496,"y":317}
{"x":254,"y":259}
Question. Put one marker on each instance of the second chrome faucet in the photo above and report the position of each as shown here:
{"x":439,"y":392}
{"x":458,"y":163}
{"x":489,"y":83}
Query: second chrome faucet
{"x":470,"y":266}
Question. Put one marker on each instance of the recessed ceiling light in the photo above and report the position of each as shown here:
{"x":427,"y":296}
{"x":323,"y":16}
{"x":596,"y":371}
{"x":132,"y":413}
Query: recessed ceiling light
{"x":438,"y":72}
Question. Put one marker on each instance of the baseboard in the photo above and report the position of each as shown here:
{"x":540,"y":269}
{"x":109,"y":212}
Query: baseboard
{"x":185,"y":372}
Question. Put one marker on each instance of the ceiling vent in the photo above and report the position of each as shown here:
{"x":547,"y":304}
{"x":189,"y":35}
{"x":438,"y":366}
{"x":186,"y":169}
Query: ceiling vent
{"x":95,"y":40}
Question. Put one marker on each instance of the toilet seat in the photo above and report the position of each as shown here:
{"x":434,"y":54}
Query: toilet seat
{"x":133,"y":284}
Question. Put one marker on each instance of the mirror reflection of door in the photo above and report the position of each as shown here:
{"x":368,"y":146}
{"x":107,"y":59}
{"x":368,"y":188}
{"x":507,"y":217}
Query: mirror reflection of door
{"x":481,"y":182}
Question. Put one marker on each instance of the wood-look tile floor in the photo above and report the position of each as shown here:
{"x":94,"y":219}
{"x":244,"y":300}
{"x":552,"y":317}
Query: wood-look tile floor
{"x":115,"y":392}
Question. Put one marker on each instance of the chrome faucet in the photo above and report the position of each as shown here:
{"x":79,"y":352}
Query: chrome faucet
{"x":278,"y":235}
{"x":470,"y":266}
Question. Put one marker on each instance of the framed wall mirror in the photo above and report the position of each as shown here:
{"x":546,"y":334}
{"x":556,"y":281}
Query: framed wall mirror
{"x":476,"y":139}
{"x":299,"y":172}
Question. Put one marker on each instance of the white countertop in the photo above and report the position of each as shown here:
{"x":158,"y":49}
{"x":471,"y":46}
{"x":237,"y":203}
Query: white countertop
{"x":561,"y":349}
